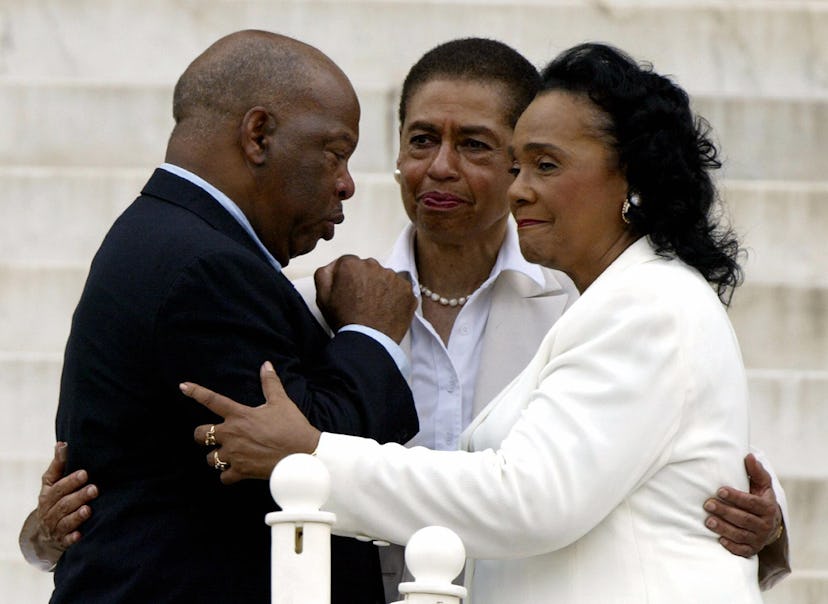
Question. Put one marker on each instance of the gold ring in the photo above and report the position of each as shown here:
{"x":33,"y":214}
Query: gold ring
{"x":210,"y":438}
{"x":219,"y":465}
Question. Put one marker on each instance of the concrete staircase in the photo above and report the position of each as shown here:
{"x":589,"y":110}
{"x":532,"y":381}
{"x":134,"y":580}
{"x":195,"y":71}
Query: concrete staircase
{"x":85,"y":95}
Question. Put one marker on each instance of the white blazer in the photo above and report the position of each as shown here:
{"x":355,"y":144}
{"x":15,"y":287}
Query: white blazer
{"x":585,"y":477}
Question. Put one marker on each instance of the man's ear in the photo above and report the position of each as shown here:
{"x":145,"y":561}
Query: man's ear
{"x":256,"y":130}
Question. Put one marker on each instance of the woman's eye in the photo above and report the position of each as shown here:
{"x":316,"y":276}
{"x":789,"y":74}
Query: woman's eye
{"x":420,"y":140}
{"x":514,"y":169}
{"x":546,"y":165}
{"x":476,"y":144}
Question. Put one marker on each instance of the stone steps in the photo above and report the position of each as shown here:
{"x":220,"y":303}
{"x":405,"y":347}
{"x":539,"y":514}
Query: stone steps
{"x":800,"y":588}
{"x":132,"y":123}
{"x":808,"y":529}
{"x":23,"y":584}
{"x":808,"y":500}
{"x":761,"y":46}
{"x":786,"y":407}
{"x":779,"y":326}
{"x":59,"y":214}
{"x":30,"y":385}
{"x":789,"y":412}
{"x":782,"y":224}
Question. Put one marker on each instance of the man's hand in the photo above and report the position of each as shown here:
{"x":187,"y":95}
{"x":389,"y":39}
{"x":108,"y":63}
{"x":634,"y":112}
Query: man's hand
{"x":354,"y":291}
{"x":252,"y":440}
{"x":746,"y":522}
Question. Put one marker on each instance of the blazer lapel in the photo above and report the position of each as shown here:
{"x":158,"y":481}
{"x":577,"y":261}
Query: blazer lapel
{"x":521,"y":314}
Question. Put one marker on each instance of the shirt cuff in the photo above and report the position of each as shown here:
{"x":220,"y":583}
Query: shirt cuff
{"x":33,"y":552}
{"x":397,"y":354}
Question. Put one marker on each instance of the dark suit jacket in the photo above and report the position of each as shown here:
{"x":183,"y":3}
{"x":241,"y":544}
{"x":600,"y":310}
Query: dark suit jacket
{"x":178,"y":291}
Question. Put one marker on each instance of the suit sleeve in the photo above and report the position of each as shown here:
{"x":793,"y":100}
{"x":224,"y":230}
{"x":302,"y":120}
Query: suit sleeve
{"x":774,"y":559}
{"x":227,"y":313}
{"x":594,"y":427}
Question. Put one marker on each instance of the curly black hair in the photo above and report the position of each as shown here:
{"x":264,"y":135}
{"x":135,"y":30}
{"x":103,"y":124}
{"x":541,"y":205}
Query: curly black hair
{"x":476,"y":60}
{"x":665,"y":152}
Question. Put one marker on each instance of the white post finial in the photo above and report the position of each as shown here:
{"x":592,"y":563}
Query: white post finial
{"x":435,"y":556}
{"x":300,"y":554}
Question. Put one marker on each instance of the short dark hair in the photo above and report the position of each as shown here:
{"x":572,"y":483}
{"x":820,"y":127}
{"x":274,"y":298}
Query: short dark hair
{"x":245,"y":69}
{"x":476,"y":60}
{"x":665,"y":152}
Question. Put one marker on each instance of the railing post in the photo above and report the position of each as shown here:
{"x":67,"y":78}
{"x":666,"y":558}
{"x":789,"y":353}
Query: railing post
{"x":300,"y":555}
{"x":435,"y":556}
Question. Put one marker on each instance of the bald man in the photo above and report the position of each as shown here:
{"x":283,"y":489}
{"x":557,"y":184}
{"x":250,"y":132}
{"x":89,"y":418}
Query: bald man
{"x":188,"y":285}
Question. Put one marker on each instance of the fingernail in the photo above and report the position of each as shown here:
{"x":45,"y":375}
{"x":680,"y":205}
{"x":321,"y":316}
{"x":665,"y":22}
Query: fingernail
{"x":92,"y":491}
{"x":710,"y":523}
{"x":84,"y":512}
{"x":82,"y":475}
{"x":268,"y":366}
{"x":184,"y":387}
{"x":710,"y":506}
{"x":723,"y":493}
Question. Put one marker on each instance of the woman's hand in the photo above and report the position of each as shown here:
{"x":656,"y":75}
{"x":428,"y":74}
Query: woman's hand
{"x":252,"y":440}
{"x":62,"y":507}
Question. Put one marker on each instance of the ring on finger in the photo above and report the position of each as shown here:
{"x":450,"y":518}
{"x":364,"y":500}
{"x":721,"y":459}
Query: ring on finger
{"x":210,"y":437}
{"x":219,"y":465}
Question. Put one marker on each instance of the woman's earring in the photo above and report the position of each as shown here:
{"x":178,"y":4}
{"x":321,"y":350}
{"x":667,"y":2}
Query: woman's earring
{"x":397,"y":175}
{"x":633,"y":199}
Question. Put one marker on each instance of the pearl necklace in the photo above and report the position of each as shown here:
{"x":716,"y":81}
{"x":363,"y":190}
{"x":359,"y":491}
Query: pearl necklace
{"x":443,"y":300}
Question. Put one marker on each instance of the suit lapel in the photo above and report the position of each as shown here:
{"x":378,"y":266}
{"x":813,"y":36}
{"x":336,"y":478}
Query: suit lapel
{"x":521,"y":314}
{"x":173,"y":189}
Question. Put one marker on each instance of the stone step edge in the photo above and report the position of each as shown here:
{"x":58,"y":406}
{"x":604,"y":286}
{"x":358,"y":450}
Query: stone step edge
{"x":86,"y":171}
{"x":7,"y":356}
{"x":808,"y":574}
{"x":780,"y":95}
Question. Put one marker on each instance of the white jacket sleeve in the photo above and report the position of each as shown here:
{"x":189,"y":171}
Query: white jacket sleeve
{"x":592,"y":417}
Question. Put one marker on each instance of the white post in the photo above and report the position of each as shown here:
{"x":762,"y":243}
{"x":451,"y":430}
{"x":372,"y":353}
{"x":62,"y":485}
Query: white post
{"x":435,"y":556}
{"x":300,"y":554}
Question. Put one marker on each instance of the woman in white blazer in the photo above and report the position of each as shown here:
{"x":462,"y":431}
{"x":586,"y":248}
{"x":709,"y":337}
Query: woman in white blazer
{"x":583,"y":480}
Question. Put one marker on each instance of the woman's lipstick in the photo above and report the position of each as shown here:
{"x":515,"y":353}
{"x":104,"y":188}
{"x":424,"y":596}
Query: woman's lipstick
{"x":527,"y":222}
{"x":440,"y":201}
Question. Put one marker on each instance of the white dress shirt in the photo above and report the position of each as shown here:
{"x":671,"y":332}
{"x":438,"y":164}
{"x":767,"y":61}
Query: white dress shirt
{"x":443,"y":377}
